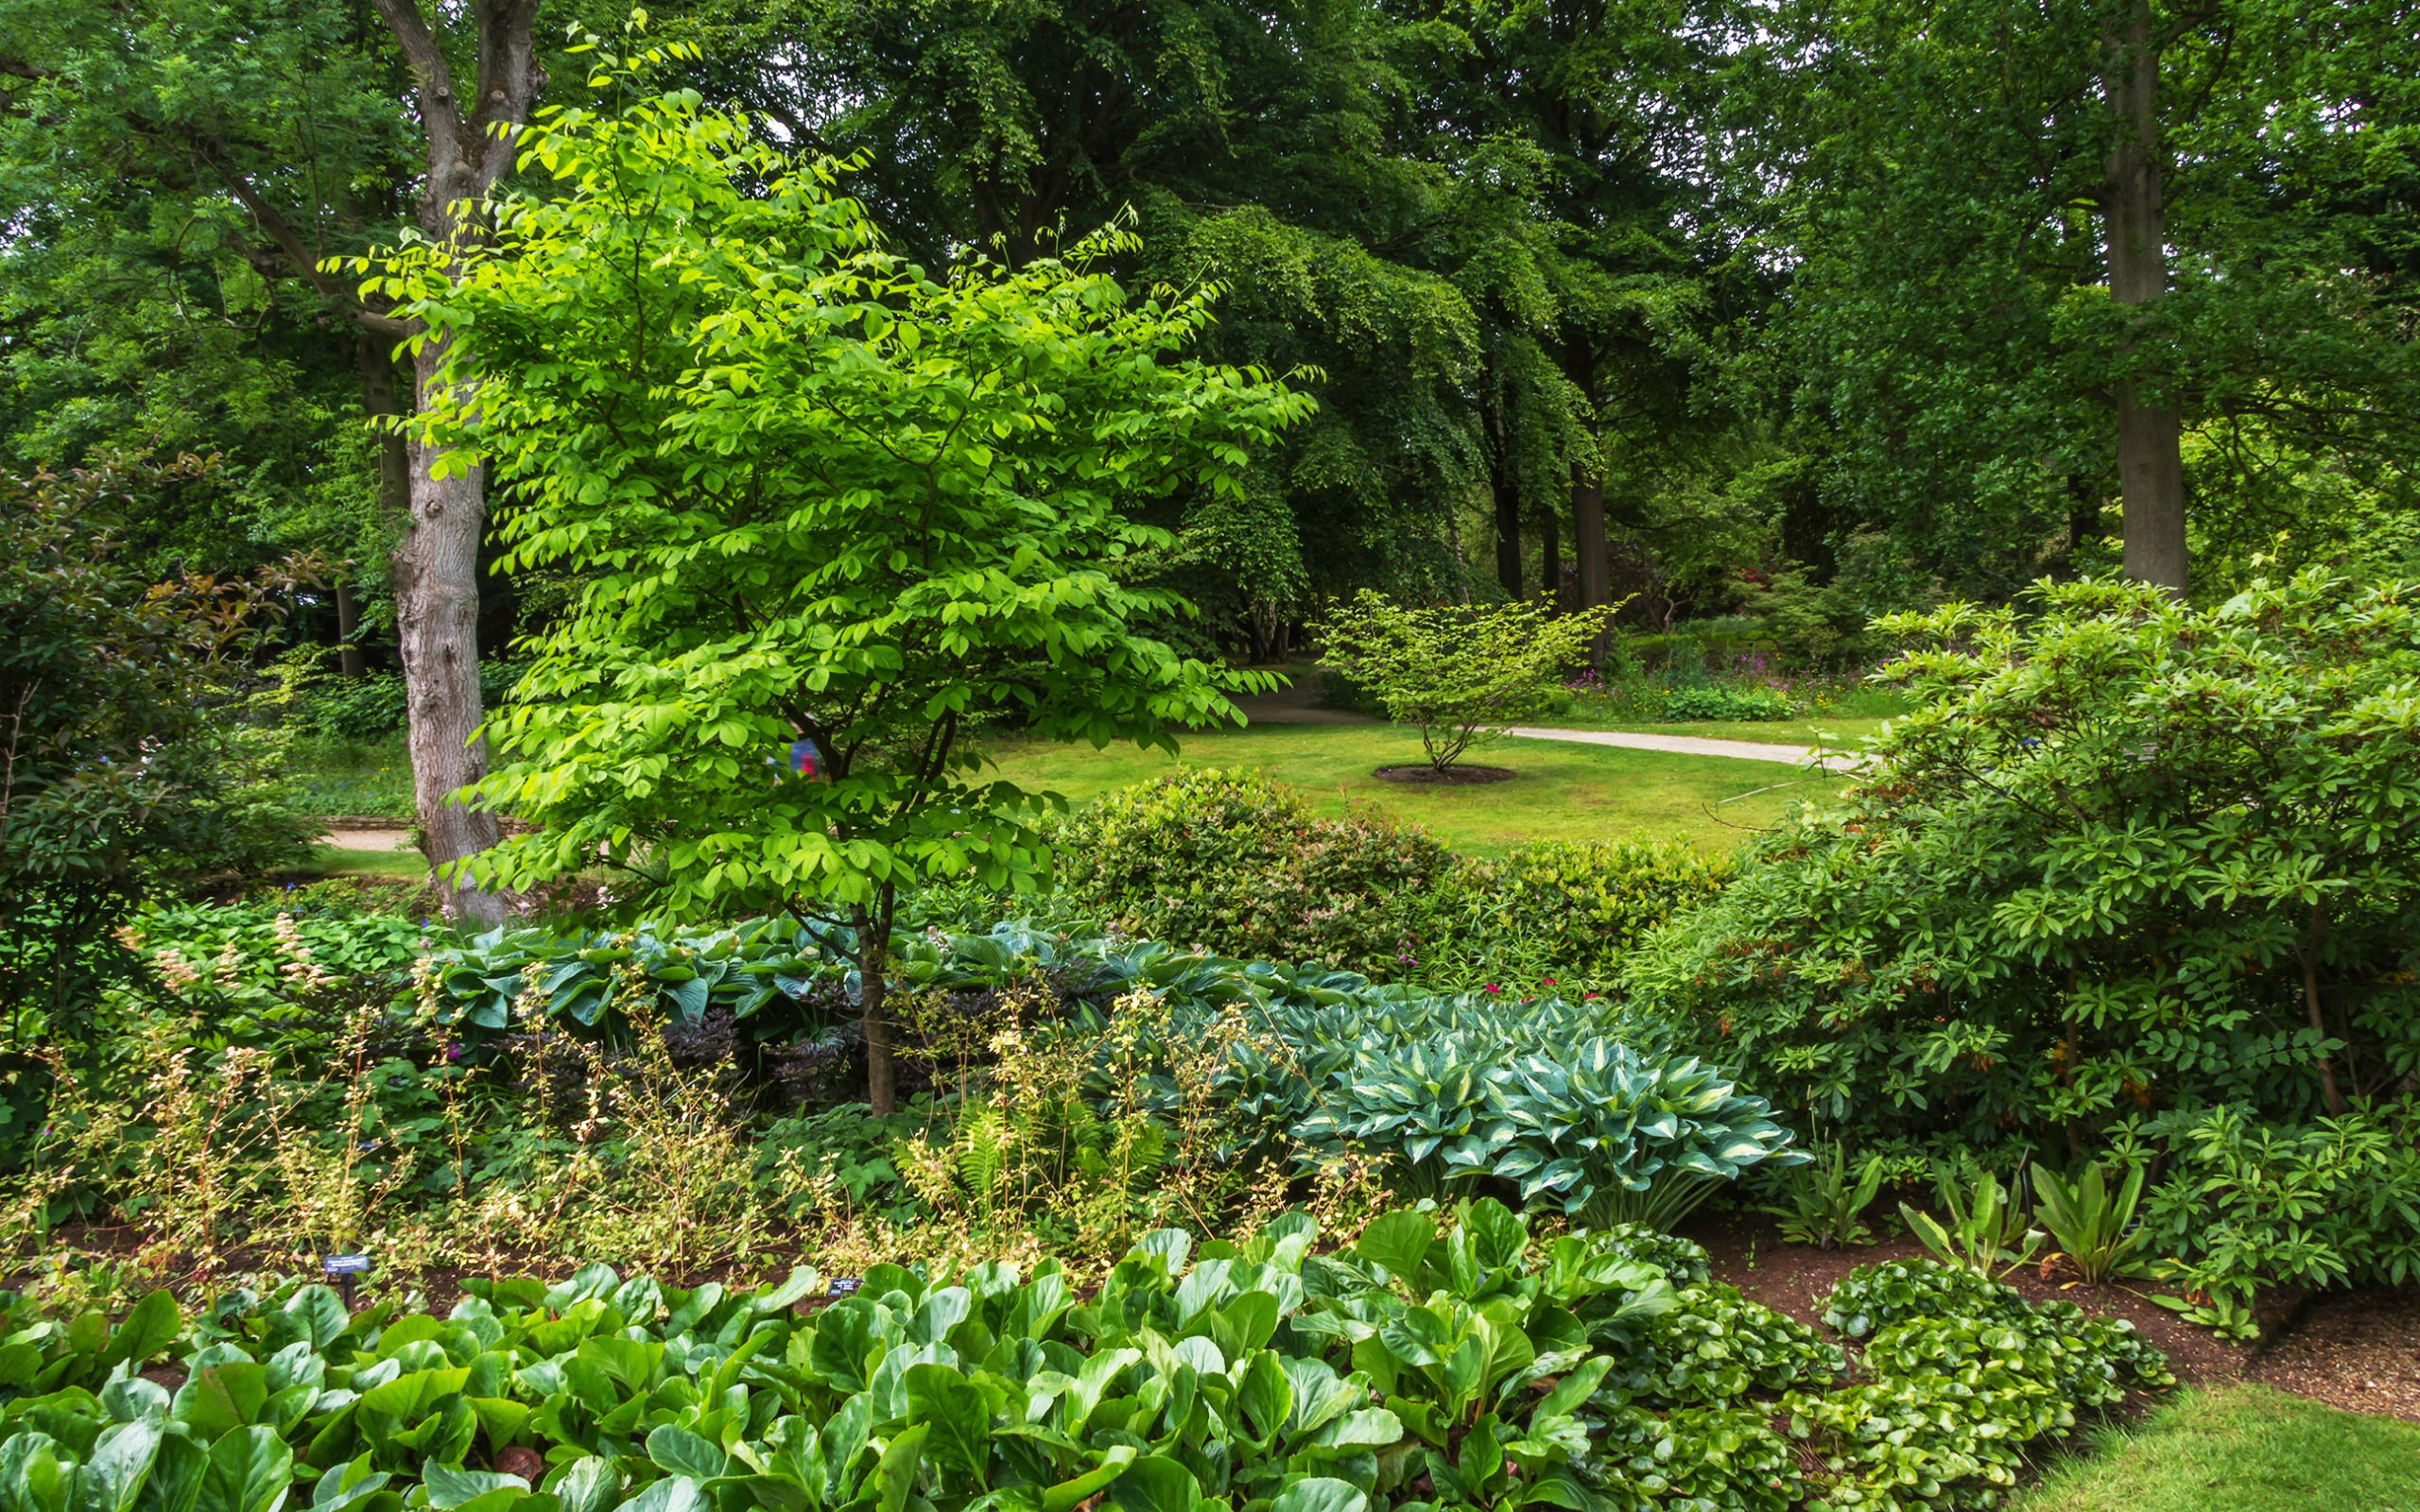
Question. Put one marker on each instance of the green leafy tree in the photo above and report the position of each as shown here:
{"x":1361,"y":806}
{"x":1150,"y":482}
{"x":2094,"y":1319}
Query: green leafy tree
{"x":2129,"y":855}
{"x":2040,"y":249}
{"x":1459,"y":672}
{"x":121,"y":771}
{"x":812,"y":491}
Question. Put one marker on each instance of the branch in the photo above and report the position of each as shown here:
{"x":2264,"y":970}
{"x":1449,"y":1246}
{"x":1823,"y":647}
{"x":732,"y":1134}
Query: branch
{"x":282,"y":232}
{"x":439,"y":110}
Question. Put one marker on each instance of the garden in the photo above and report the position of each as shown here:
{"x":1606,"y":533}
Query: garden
{"x":865,"y":996}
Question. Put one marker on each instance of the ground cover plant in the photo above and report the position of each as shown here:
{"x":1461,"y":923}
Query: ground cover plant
{"x":1440,"y":1359}
{"x":336,"y":1077}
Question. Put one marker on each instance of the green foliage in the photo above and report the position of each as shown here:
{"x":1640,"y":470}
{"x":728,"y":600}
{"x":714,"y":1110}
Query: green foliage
{"x":847,"y":1147}
{"x":905,"y":505}
{"x":2094,"y":1228}
{"x":1987,"y":1231}
{"x":1597,"y":1127}
{"x":1559,"y":911}
{"x":1962,"y":1374}
{"x":1244,"y":866}
{"x":2245,"y":1204}
{"x":1716,"y":1345}
{"x":1241,"y":863}
{"x":1720,"y":1459}
{"x":1459,"y":672}
{"x":358,"y":708}
{"x":124,"y":763}
{"x":1939,"y":312}
{"x":1876,"y":1295}
{"x":2106,"y":867}
{"x":1727,"y":703}
{"x":1821,"y":1204}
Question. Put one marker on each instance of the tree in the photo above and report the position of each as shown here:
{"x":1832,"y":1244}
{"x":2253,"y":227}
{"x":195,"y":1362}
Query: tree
{"x":120,"y":770}
{"x":1460,"y":671}
{"x":814,"y":492}
{"x":296,"y":133}
{"x":2044,"y":249}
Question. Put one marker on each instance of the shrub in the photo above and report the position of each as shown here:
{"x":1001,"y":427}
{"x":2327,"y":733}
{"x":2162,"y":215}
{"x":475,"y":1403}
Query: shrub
{"x":2245,"y":1204}
{"x":362,"y":708}
{"x":1727,"y":703}
{"x":1562,"y":910}
{"x":124,"y":765}
{"x":1242,"y":865}
{"x":2133,"y":854}
{"x":1459,"y":671}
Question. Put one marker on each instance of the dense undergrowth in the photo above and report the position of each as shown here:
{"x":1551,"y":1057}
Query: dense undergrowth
{"x":1473,"y":1367}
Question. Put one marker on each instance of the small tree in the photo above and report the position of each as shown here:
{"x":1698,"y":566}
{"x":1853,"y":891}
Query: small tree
{"x":808,"y":489}
{"x":1460,"y":671}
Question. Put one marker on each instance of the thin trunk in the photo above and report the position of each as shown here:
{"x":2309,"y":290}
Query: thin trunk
{"x":2318,"y":1022}
{"x":1550,"y":560}
{"x":2150,"y":463}
{"x":873,"y":962}
{"x":380,"y":402}
{"x":1588,"y":546}
{"x":349,"y":659}
{"x":436,"y":629}
{"x":1507,"y":490}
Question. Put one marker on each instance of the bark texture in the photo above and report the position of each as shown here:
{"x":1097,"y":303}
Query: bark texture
{"x":2150,"y":463}
{"x":435,"y":567}
{"x":1588,"y":545}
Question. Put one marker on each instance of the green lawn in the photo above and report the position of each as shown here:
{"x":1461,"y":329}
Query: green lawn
{"x":1563,"y":792}
{"x":329,"y":861}
{"x":2240,"y":1449}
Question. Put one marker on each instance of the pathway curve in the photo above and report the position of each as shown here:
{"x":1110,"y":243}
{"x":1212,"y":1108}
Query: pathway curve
{"x":1752,"y":750}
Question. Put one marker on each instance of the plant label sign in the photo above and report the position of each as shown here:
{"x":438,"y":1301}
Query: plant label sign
{"x":344,"y":1264}
{"x":844,"y":1286}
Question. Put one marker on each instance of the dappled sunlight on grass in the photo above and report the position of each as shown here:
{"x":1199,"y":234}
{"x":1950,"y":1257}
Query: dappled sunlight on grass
{"x":1562,"y":792}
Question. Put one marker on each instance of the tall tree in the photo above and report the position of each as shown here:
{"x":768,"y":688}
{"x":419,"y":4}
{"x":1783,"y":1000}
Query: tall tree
{"x":2040,"y":249}
{"x":296,"y":132}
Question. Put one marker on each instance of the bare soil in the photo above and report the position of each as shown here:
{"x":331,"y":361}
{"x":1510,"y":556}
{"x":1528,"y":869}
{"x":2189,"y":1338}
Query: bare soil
{"x":1461,"y":774}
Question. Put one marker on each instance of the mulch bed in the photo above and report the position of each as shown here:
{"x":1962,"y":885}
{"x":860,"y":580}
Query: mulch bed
{"x":2355,"y":1349}
{"x":1458,"y":775}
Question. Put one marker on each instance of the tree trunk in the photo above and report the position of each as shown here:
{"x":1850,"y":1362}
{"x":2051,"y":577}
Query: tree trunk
{"x":436,"y":627}
{"x":2327,"y":1087}
{"x":873,"y":963}
{"x":1589,"y":545}
{"x":435,"y":569}
{"x":2150,"y":463}
{"x":1550,"y":559}
{"x":1508,"y":510}
{"x":348,"y":631}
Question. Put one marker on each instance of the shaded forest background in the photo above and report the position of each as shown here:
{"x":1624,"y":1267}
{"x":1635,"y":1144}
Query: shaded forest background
{"x":1798,"y":311}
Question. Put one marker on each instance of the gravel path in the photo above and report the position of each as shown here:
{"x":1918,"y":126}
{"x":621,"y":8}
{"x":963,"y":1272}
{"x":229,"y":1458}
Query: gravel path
{"x":1752,"y":750}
